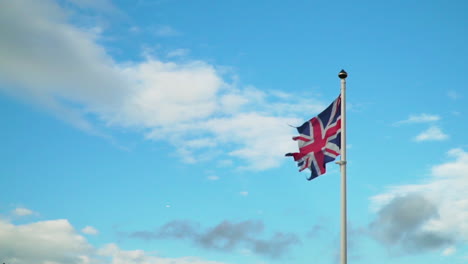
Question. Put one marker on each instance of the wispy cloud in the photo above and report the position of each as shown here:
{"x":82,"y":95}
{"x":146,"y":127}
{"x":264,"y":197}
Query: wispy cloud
{"x":449,"y":251}
{"x":188,"y":101}
{"x":178,"y":53}
{"x":226,"y":236}
{"x":118,"y":255}
{"x":21,"y":211}
{"x":433,"y":133}
{"x":421,"y":118}
{"x":213,"y":178}
{"x":98,"y":4}
{"x":166,"y":31}
{"x":453,"y":95}
{"x":89,"y":230}
{"x":135,"y":29}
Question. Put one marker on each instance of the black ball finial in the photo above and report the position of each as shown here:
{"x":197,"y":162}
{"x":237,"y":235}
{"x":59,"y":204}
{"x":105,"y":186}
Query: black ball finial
{"x":343,"y":74}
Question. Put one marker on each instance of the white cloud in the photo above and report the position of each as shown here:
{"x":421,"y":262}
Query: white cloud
{"x":166,"y":31}
{"x":134,"y":29}
{"x":263,"y":140}
{"x":120,"y":256}
{"x":62,"y":63}
{"x":231,"y":103}
{"x":104,"y":5}
{"x":453,"y":95}
{"x":75,"y":78}
{"x":168,"y":93}
{"x":433,"y":133}
{"x":244,"y":193}
{"x":213,"y":178}
{"x":20,"y":211}
{"x":57,"y":242}
{"x":449,"y":251}
{"x":89,"y":230}
{"x":178,"y":53}
{"x":421,"y":118}
{"x":53,"y":241}
{"x":445,"y":190}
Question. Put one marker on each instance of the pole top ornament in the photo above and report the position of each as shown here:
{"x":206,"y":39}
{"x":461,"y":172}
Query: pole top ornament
{"x":343,"y":74}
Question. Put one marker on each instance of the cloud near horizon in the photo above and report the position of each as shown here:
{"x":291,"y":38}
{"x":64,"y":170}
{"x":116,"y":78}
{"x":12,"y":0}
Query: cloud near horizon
{"x":53,"y":241}
{"x":58,"y":242}
{"x":225,"y":236}
{"x":72,"y":76}
{"x":432,"y":215}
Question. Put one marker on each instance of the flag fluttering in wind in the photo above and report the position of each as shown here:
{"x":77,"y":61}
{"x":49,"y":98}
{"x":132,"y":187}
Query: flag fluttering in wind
{"x":319,"y":140}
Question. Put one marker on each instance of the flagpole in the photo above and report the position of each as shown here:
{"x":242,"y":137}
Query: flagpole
{"x":344,"y":251}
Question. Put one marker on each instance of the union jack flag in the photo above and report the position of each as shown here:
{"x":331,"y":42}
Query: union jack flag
{"x":319,"y":140}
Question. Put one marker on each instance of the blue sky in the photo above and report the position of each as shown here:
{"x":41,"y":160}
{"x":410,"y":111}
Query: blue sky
{"x":147,"y":132}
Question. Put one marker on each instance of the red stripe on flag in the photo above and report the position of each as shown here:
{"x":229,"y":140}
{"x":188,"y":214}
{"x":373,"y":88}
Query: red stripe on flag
{"x":332,"y":152}
{"x":301,"y":138}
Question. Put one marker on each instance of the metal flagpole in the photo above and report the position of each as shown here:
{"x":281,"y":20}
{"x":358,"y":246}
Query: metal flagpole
{"x":342,"y":75}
